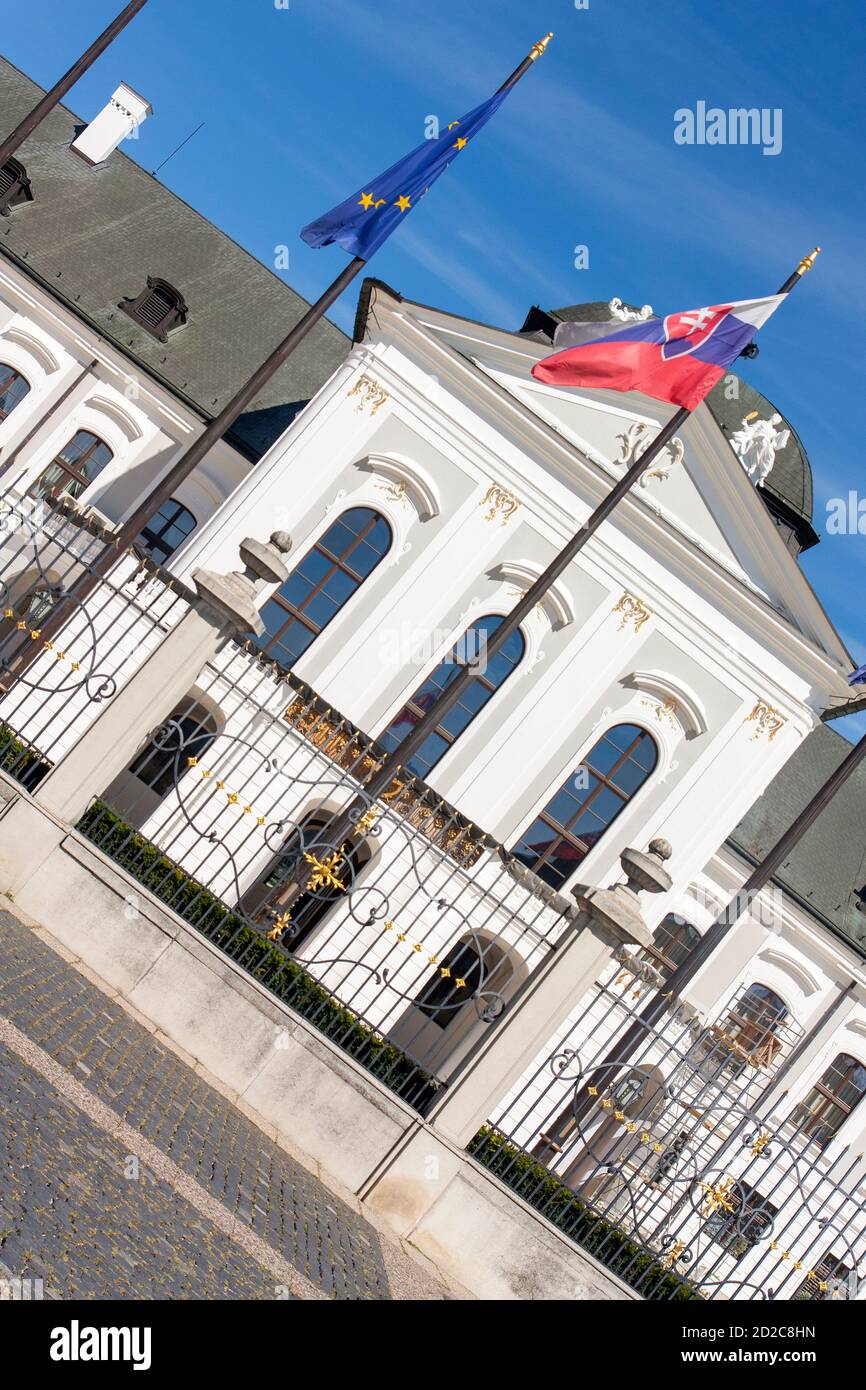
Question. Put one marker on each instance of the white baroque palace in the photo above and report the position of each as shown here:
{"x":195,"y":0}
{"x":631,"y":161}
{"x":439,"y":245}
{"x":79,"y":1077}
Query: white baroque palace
{"x":671,"y":683}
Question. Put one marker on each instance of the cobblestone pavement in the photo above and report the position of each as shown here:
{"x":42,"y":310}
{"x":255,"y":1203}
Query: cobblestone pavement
{"x":89,"y":1099}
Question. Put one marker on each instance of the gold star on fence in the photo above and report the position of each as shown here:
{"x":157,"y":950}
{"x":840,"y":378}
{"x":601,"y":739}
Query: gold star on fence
{"x":192,"y":762}
{"x":592,"y":1090}
{"x":232,"y":798}
{"x":389,"y":926}
{"x":607,"y":1104}
{"x":365,"y":201}
{"x":433,"y":960}
{"x":403,"y":203}
{"x":445,"y":972}
{"x":459,"y":984}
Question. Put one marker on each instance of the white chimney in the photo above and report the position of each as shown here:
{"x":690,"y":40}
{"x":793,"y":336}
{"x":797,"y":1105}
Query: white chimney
{"x":124,"y":114}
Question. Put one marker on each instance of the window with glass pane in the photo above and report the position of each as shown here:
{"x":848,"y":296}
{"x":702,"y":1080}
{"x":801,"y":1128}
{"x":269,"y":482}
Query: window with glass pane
{"x":831,"y":1101}
{"x":75,"y":467}
{"x":166,"y":530}
{"x":188,"y":733}
{"x":749,"y":1221}
{"x":752,"y":1027}
{"x":576,"y":817}
{"x":442,"y":997}
{"x":673,"y":941}
{"x":324,"y":580}
{"x":13,"y":389}
{"x":495,"y":672}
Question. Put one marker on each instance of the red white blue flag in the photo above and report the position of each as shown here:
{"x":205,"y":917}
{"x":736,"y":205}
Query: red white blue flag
{"x":678,"y":358}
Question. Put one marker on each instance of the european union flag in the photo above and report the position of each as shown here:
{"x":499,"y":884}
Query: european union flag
{"x":858,"y":677}
{"x":368,"y":218}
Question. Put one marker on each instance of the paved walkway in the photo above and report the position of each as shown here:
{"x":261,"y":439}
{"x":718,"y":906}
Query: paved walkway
{"x":124,"y":1175}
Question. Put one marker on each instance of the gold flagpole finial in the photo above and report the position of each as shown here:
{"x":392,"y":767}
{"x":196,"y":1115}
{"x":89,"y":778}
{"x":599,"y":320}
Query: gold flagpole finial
{"x":538,"y":48}
{"x":808,"y":261}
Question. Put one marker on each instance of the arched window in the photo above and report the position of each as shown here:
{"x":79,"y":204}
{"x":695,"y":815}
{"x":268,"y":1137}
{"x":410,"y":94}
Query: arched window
{"x":158,"y":309}
{"x":166,"y":530}
{"x":289,"y":870}
{"x":473,"y":964}
{"x":14,"y":186}
{"x":751,"y":1033}
{"x":831,"y":1100}
{"x":574,"y":820}
{"x":75,"y":467}
{"x":673,"y":941}
{"x":187,"y":733}
{"x":491,"y":676}
{"x":324,"y":580}
{"x":13,"y":389}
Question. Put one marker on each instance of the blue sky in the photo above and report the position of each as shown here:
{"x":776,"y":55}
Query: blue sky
{"x":301,"y":105}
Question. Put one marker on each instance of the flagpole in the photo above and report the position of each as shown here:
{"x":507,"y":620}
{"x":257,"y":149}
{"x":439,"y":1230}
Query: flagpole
{"x":216,"y":428}
{"x":341,"y":827}
{"x":539,"y":589}
{"x":69,"y":79}
{"x":604,"y":1074}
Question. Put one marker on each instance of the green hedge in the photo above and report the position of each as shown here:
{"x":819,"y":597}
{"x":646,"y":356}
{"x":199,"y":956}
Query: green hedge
{"x":598,"y":1236}
{"x":19,"y":761}
{"x":229,"y":930}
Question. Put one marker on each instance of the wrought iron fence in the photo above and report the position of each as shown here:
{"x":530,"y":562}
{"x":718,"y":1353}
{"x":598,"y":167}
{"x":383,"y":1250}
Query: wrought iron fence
{"x":402,"y":944}
{"x":678,"y":1170}
{"x":51,"y":690}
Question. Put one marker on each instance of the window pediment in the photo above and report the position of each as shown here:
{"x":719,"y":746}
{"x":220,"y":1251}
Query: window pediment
{"x":403,"y":481}
{"x":673,"y":699}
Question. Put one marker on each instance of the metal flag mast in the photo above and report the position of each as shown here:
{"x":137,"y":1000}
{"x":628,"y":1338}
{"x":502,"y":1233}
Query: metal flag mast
{"x":342,"y":826}
{"x":216,"y":428}
{"x":69,"y":79}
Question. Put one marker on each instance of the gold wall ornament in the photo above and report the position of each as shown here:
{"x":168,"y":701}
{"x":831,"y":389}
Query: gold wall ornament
{"x":371,"y":395}
{"x":718,"y":1196}
{"x":669,"y":709}
{"x":767,"y":719}
{"x":759,"y":1144}
{"x":324,"y":873}
{"x":631,"y":609}
{"x":501,"y":502}
{"x":396,"y":490}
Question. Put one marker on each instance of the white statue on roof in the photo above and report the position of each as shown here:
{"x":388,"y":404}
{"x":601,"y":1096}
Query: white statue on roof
{"x":756,"y":444}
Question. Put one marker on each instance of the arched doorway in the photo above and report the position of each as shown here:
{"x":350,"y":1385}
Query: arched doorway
{"x":265,"y":902}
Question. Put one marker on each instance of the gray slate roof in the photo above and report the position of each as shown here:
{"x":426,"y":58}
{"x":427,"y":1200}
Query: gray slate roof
{"x":93,"y":235}
{"x":828,"y":867}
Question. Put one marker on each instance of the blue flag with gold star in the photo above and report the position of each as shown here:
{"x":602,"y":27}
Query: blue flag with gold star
{"x":364,"y":221}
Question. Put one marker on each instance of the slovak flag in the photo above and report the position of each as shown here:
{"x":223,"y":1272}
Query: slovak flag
{"x":678,"y":358}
